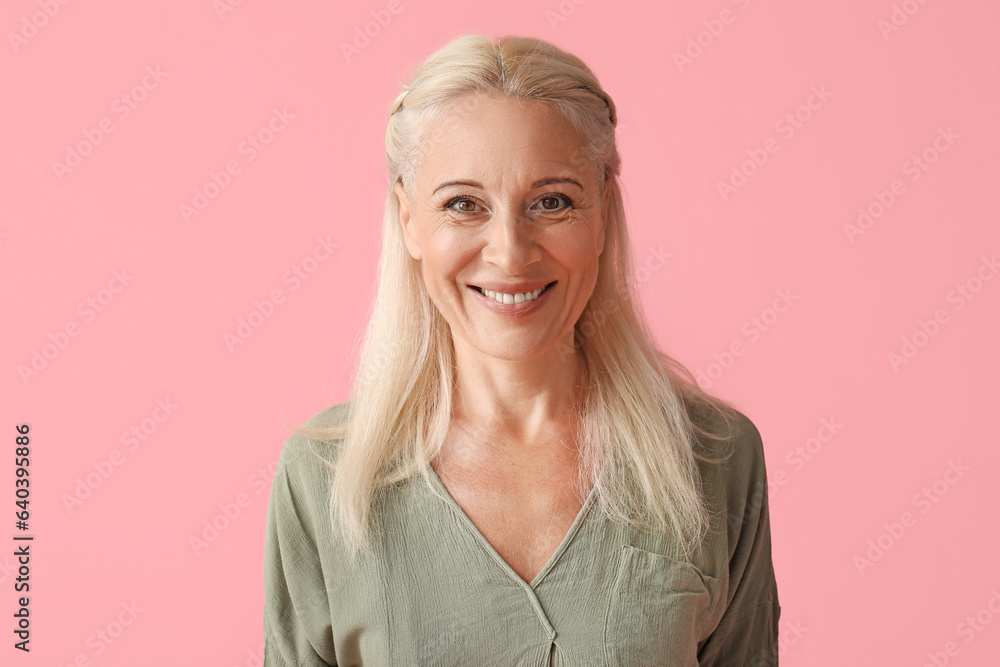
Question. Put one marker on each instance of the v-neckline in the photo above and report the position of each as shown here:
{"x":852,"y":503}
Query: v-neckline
{"x":553,"y":559}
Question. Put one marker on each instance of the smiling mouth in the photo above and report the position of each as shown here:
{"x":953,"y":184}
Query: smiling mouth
{"x":520,"y":297}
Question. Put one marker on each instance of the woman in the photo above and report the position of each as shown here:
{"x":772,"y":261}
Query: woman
{"x":519,"y":477}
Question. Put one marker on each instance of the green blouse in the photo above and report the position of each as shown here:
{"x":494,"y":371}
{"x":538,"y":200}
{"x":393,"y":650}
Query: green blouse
{"x":437,"y":593}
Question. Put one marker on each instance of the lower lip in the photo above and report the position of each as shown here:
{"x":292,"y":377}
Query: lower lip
{"x":515,"y":310}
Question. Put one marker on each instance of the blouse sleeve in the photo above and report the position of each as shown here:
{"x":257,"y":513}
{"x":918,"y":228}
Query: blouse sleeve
{"x":297,"y":623}
{"x":747,"y":633}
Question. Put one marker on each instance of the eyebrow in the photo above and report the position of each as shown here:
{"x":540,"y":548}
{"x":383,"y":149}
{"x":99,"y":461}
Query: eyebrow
{"x":537,"y":184}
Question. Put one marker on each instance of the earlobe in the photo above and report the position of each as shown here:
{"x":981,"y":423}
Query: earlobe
{"x":406,"y":222}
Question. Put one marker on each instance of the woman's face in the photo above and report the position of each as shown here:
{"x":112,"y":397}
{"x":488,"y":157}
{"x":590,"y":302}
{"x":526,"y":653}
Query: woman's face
{"x":505,"y":202}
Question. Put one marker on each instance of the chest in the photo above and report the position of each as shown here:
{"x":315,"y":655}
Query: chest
{"x":442,"y":593}
{"x":524,"y":522}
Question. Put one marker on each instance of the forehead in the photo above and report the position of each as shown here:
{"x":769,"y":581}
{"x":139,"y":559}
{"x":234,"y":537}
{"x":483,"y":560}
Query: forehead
{"x":480,"y":136}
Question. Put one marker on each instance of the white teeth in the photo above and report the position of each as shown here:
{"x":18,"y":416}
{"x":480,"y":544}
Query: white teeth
{"x":513,"y":298}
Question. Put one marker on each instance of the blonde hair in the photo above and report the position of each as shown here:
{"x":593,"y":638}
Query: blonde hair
{"x":643,"y":412}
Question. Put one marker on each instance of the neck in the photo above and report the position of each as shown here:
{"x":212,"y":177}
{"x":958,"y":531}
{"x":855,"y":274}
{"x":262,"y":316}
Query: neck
{"x":518,"y":404}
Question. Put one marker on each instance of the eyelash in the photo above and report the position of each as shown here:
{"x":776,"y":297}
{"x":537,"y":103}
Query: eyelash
{"x":569,"y":202}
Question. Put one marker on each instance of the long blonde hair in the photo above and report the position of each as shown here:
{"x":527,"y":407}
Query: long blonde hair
{"x":643,"y":412}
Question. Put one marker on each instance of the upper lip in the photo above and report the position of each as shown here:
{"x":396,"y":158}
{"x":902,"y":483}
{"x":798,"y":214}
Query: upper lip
{"x":513,"y":288}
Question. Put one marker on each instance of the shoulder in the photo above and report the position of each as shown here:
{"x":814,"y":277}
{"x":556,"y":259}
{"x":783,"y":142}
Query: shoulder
{"x":737,"y":434}
{"x":316,"y":440}
{"x":734,"y":483}
{"x":733,"y":467}
{"x":307,"y":457}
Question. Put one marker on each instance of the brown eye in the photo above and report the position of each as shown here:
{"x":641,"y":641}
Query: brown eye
{"x":470,"y":208}
{"x":556,"y":199}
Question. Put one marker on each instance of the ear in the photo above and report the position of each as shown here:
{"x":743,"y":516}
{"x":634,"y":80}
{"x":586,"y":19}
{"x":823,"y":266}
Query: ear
{"x":406,"y":222}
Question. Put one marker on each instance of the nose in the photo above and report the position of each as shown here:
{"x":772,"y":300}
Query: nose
{"x":510,"y":242}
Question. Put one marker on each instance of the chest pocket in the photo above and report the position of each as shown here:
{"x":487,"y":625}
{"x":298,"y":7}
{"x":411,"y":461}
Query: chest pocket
{"x":657,"y":611}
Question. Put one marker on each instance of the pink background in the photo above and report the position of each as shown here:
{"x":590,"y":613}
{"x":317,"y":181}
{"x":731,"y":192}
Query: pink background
{"x":840,"y":494}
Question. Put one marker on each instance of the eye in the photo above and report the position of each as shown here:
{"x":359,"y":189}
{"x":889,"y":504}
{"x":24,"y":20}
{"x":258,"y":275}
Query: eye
{"x":461,"y":200}
{"x":551,"y":203}
{"x":554,"y":197}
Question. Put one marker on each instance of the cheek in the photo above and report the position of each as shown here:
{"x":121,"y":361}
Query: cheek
{"x":445,"y":256}
{"x":577,"y":254}
{"x":574,"y":240}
